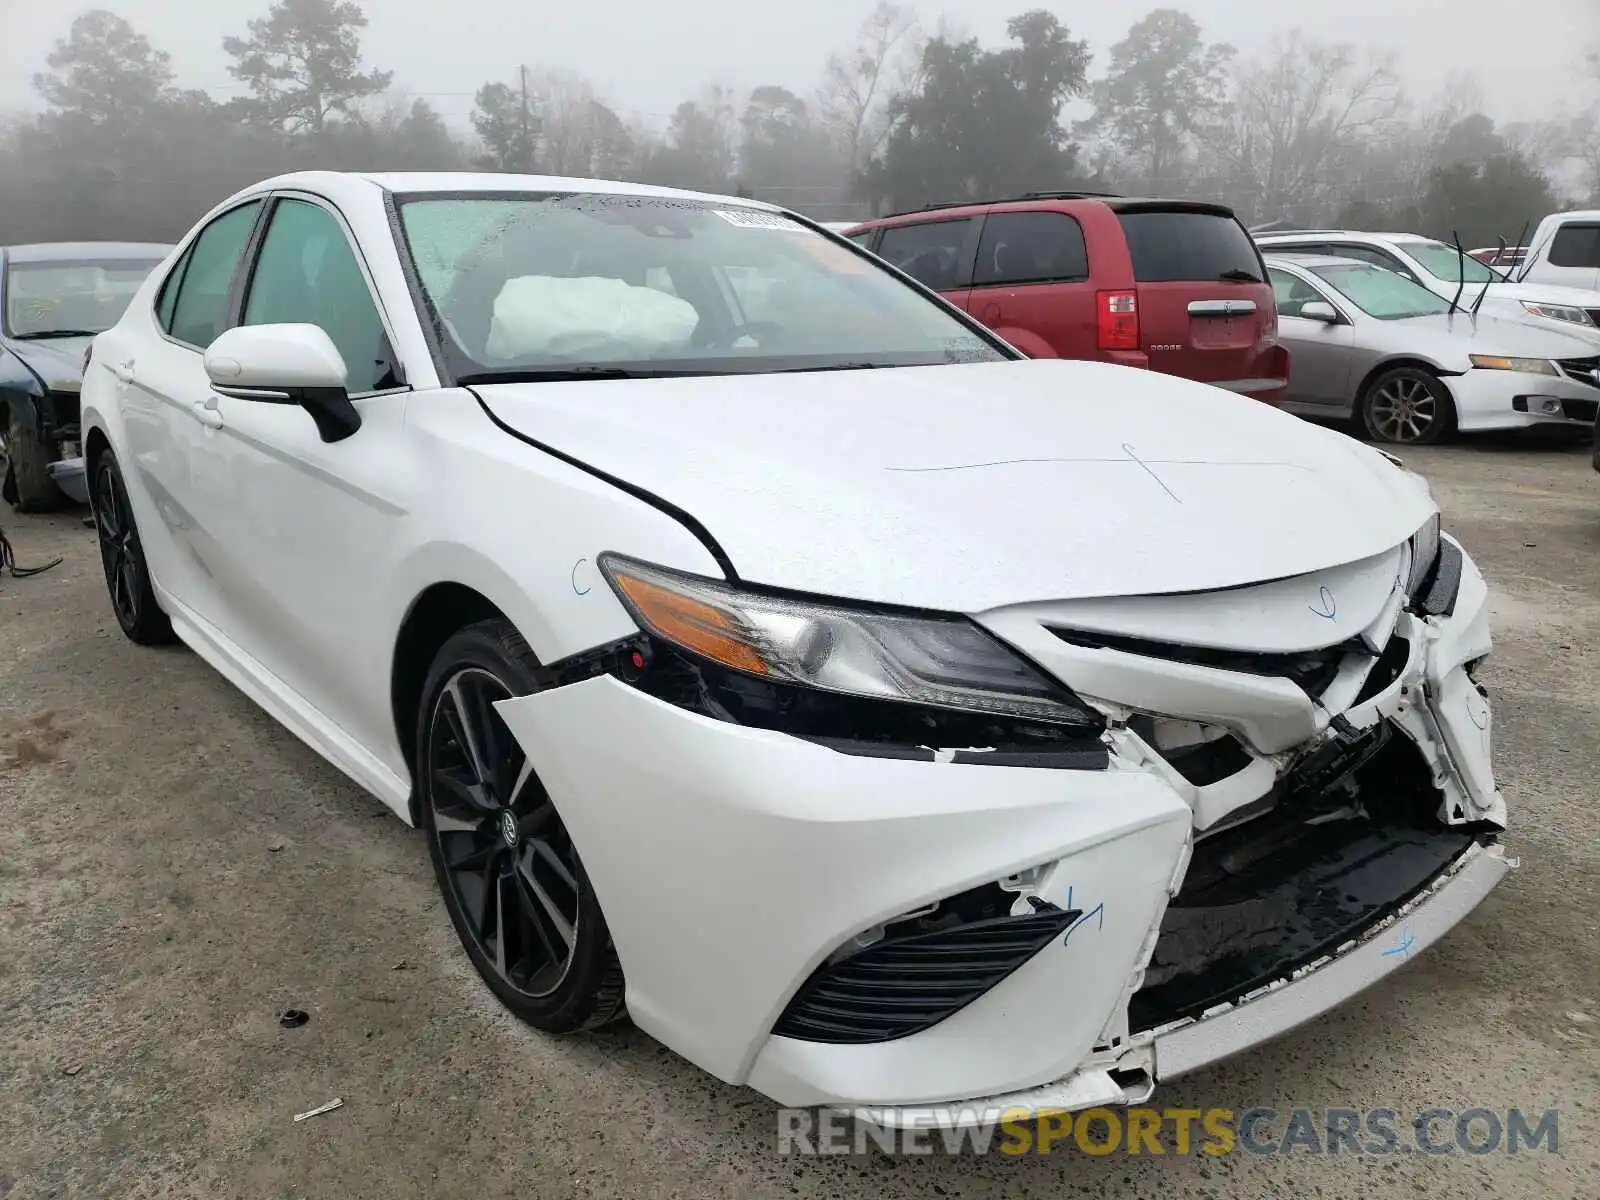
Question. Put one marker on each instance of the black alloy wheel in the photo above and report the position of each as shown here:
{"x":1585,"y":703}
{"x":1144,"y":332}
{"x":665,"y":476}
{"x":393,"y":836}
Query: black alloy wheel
{"x":133,"y":598}
{"x":512,"y":880}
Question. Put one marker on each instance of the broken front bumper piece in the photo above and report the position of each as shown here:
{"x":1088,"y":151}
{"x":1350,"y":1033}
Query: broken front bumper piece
{"x":914,"y":937}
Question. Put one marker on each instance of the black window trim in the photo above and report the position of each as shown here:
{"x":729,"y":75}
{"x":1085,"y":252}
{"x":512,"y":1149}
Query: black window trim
{"x":972,"y":274}
{"x":430,"y":322}
{"x":180,"y":270}
{"x":239,"y":291}
{"x":966,"y":253}
{"x":1401,"y":262}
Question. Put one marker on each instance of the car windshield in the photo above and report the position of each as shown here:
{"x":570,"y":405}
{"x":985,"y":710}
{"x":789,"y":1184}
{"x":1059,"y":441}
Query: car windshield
{"x":1443,"y":263}
{"x":69,"y":297}
{"x":611,"y":286}
{"x":1380,"y":293}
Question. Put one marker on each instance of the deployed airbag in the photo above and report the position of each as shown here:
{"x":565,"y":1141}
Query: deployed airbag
{"x":548,"y":316}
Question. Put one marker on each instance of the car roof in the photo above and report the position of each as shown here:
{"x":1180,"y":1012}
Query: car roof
{"x":412,"y":182}
{"x":1311,"y":260}
{"x":38,"y":252}
{"x":1052,"y":200}
{"x":1353,"y":234}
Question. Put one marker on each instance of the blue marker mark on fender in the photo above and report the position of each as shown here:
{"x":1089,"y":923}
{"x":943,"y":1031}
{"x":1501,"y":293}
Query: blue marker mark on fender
{"x":576,"y":567}
{"x":1402,"y":949}
{"x":1329,"y":609}
{"x":1098,"y":911}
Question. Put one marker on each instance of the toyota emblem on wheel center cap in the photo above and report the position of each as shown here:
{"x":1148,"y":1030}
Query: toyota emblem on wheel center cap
{"x":508,"y":827}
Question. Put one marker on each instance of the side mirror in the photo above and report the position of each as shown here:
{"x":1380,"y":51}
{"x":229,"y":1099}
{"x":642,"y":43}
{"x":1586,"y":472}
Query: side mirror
{"x":286,"y":364}
{"x":1320,"y":310}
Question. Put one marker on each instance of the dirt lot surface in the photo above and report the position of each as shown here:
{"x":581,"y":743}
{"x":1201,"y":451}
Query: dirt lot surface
{"x":175,"y":870}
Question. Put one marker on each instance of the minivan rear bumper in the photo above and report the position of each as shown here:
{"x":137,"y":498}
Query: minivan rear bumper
{"x":1272,"y":391}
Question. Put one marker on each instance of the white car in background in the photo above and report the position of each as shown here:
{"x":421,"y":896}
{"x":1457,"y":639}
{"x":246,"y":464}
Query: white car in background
{"x":1565,"y":251}
{"x":1452,"y":276}
{"x":876,"y":716}
{"x":1370,"y":344}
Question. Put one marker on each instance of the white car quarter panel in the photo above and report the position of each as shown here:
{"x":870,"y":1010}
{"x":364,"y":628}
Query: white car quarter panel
{"x":656,"y":797}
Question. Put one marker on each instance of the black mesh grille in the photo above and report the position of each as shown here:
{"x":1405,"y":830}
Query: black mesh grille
{"x":902,"y":986}
{"x":1584,"y":370}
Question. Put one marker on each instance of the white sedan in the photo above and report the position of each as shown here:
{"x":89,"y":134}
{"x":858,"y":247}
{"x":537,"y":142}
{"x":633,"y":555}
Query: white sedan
{"x":877,"y":717}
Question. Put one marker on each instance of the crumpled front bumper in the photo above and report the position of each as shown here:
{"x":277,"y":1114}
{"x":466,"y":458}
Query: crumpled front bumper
{"x":731,"y":862}
{"x":1487,"y":400}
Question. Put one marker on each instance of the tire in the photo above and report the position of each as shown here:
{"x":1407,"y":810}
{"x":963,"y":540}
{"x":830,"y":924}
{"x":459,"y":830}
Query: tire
{"x":497,"y":852}
{"x":30,"y":459}
{"x":133,"y":599}
{"x":1407,"y":406}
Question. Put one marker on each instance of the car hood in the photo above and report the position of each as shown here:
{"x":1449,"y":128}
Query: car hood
{"x":969,"y":487}
{"x":1533,"y":338}
{"x":1537,"y":293}
{"x":58,"y":362}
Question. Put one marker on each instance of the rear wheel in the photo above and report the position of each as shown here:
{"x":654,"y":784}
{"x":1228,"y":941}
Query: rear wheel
{"x":30,"y":458}
{"x":1407,"y":406}
{"x":512,"y":880}
{"x":133,"y":598}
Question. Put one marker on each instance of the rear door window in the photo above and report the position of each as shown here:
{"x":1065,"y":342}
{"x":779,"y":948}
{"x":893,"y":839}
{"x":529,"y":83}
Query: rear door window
{"x":1576,"y":246}
{"x":1168,"y":245}
{"x":1375,"y":256}
{"x":1030,"y":247}
{"x":930,"y":252}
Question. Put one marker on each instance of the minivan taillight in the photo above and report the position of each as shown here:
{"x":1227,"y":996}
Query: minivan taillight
{"x":1117,"y":320}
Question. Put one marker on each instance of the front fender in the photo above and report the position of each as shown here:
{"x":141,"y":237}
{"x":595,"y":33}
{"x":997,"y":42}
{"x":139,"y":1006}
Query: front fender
{"x":20,"y":387}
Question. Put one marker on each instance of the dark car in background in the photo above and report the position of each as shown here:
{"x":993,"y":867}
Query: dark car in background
{"x":1174,"y":286}
{"x":54,"y":298}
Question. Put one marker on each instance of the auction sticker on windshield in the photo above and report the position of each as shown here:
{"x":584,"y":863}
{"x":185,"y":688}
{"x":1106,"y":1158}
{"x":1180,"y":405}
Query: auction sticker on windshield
{"x":749,"y":218}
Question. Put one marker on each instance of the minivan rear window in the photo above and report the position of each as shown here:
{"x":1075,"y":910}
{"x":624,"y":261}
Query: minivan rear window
{"x":1187,"y":244}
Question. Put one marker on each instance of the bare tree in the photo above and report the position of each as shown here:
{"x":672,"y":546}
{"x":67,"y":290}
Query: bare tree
{"x":1298,"y":118}
{"x":853,"y":100}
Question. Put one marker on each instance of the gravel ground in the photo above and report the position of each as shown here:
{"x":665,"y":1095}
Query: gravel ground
{"x":175,"y":870}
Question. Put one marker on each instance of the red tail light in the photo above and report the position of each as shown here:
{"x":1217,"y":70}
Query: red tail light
{"x":1117,"y":320}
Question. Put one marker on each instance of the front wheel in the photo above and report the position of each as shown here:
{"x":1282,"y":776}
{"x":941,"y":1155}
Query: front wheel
{"x":512,"y":880}
{"x":33,"y":488}
{"x":133,"y":598}
{"x":1407,"y":406}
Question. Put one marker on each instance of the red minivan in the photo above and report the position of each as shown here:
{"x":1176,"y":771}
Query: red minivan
{"x":1170,"y":285}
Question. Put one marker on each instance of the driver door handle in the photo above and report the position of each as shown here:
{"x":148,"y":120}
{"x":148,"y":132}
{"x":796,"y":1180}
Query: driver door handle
{"x":207,"y":413}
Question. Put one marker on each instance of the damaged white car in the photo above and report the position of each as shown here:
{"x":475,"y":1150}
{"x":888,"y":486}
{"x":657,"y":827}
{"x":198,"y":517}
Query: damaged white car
{"x":878,"y":718}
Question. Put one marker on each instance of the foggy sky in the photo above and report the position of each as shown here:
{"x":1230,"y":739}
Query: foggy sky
{"x":644,"y":55}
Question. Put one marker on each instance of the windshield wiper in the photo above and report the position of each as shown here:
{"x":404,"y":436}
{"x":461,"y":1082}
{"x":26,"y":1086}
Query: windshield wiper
{"x":1236,"y":275}
{"x":568,"y":375}
{"x":46,"y":334}
{"x":844,"y":366}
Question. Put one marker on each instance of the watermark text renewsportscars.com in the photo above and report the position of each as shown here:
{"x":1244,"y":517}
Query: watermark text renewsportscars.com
{"x":1174,"y":1131}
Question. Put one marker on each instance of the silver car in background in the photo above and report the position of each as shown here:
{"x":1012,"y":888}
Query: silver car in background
{"x":1367,"y":343}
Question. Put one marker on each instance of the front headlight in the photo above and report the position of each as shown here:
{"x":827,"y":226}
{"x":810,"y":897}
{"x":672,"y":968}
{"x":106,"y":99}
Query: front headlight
{"x":943,"y":662}
{"x":1526,"y":366}
{"x":1424,"y":553}
{"x":1558,"y":312}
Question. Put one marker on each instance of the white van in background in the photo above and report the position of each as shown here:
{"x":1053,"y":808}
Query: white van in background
{"x":1565,"y":250}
